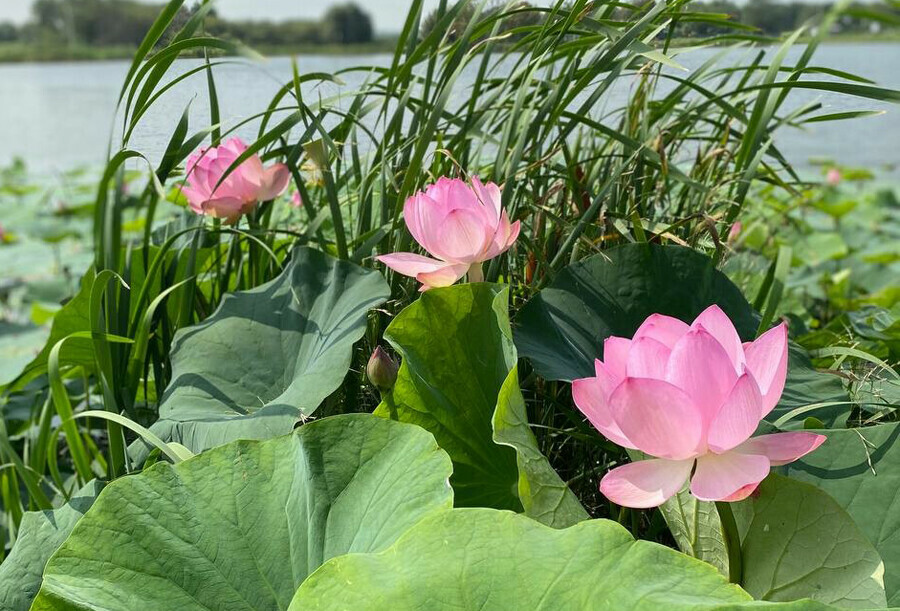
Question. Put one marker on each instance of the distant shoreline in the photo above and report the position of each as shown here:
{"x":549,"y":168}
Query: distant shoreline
{"x":11,"y":53}
{"x":17,"y":53}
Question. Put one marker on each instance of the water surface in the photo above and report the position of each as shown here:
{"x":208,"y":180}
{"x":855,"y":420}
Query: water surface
{"x":57,"y":116}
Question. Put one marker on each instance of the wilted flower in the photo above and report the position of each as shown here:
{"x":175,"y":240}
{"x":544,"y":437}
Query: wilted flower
{"x":460,"y":225}
{"x":249,"y":184}
{"x":690,"y":396}
{"x":296,"y":200}
{"x":382,"y":370}
{"x":834,"y":177}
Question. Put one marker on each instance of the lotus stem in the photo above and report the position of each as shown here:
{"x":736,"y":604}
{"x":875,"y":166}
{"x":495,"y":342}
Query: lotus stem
{"x":388,"y":398}
{"x":476,"y":273}
{"x":732,"y":541}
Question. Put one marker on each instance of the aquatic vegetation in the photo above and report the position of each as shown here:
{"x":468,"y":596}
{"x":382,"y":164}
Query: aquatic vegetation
{"x":668,"y":379}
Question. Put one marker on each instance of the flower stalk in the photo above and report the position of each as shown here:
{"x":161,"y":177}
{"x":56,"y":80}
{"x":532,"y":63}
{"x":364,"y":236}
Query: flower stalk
{"x":732,"y":540}
{"x":388,"y":398}
{"x":476,"y":273}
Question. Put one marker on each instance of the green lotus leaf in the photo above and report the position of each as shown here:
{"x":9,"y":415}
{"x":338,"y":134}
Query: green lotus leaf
{"x":458,"y":380}
{"x":269,"y":354}
{"x":860,"y":470}
{"x":484,"y":559}
{"x":457,"y":351}
{"x":797,"y":542}
{"x":241,"y":526}
{"x":40,"y":534}
{"x":544,"y":496}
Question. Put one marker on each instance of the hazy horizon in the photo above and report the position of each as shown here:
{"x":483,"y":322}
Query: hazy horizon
{"x":387,"y":15}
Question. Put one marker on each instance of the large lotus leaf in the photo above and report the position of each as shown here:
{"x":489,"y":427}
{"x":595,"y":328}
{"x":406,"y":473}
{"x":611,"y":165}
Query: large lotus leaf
{"x":268,"y":355}
{"x":457,"y":351}
{"x":241,"y":526}
{"x":483,"y":559}
{"x":797,"y":542}
{"x":561,"y":330}
{"x":544,"y":496}
{"x":860,"y":470}
{"x":458,"y":380}
{"x":40,"y":534}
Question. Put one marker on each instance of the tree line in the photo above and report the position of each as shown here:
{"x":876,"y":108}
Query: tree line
{"x":774,"y":17}
{"x":106,"y":23}
{"x":766,"y":17}
{"x":100,"y":23}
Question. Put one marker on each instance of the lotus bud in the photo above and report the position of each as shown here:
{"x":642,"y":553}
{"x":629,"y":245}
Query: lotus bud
{"x":382,"y":370}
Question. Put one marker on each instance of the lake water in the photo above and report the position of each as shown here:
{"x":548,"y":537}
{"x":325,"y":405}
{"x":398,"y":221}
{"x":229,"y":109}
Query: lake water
{"x":58,"y":116}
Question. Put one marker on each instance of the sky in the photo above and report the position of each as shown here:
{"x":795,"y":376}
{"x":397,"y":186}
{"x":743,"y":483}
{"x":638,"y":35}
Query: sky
{"x":388,"y":15}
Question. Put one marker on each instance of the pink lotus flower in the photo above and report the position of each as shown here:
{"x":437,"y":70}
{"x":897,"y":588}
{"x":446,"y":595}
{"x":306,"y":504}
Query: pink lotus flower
{"x":249,"y":184}
{"x":691,"y":396}
{"x":834,"y":177}
{"x":296,"y":200}
{"x":460,"y":225}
